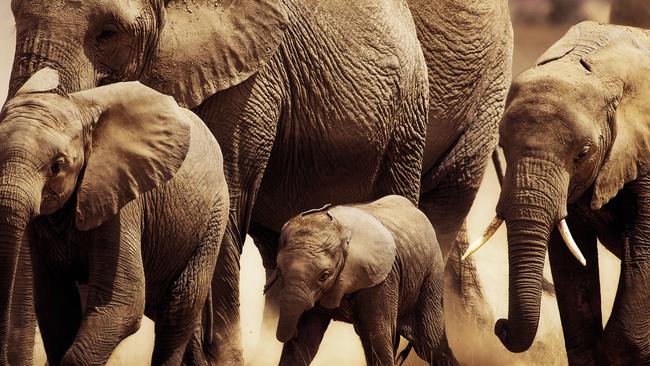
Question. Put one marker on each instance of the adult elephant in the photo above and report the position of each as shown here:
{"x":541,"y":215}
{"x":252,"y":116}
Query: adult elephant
{"x":575,"y":136}
{"x":311,"y":99}
{"x":634,"y":13}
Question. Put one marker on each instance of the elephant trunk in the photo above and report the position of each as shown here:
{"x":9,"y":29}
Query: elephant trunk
{"x":15,"y":213}
{"x":35,"y":49}
{"x":292,"y":304}
{"x":533,"y":200}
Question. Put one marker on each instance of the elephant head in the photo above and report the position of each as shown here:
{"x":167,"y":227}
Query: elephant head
{"x":325,"y":254}
{"x":82,"y":156}
{"x":188,"y":49}
{"x":574,"y":129}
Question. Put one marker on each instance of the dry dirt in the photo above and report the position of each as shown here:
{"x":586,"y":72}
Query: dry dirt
{"x":341,"y":346}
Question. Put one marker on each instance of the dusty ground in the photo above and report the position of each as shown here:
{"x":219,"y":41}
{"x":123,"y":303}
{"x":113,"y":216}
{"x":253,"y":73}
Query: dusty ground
{"x":341,"y":346}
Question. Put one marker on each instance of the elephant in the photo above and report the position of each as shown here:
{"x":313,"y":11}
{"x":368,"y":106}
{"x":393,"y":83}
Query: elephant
{"x":576,"y":146}
{"x":376,"y":265}
{"x":635,"y":13}
{"x":311,"y":104}
{"x":99,"y":185}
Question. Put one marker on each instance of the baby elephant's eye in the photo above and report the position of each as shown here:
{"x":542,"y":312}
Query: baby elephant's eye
{"x":582,"y":154}
{"x":57,"y":165}
{"x":324,"y":276}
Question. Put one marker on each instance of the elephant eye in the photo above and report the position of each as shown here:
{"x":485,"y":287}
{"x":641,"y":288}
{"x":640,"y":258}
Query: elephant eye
{"x":324,"y":276}
{"x":56,"y":166}
{"x":106,"y":34}
{"x":582,"y":154}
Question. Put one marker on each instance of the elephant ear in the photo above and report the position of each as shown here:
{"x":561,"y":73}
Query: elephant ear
{"x":210,"y":45}
{"x":629,"y":155}
{"x":139,"y":140}
{"x":370,"y":256}
{"x":565,"y":45}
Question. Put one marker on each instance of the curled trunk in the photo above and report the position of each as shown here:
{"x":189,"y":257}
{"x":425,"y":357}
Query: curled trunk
{"x":533,"y":200}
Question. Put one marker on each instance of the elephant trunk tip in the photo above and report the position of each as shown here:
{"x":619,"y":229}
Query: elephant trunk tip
{"x":514,"y":345}
{"x":284,"y":335}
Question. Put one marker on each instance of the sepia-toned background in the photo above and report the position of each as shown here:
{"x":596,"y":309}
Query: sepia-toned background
{"x":537,"y":25}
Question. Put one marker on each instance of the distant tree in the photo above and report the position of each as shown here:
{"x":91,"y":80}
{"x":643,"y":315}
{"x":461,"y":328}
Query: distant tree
{"x":563,"y":11}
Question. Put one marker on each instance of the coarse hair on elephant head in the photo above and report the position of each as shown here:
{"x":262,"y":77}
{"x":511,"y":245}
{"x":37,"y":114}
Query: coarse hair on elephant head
{"x":86,"y":155}
{"x":188,"y":49}
{"x":324,"y":255}
{"x":573,"y":130}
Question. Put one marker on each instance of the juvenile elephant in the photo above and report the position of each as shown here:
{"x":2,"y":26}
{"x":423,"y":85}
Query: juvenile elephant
{"x":311,"y":103}
{"x":101,"y":187}
{"x":376,"y":265}
{"x":577,"y":143}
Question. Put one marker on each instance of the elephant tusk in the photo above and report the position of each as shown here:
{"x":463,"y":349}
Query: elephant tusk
{"x":494,"y":226}
{"x":570,"y":243}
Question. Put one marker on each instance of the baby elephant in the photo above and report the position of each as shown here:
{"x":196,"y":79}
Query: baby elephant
{"x":119,"y":188}
{"x":375,"y":265}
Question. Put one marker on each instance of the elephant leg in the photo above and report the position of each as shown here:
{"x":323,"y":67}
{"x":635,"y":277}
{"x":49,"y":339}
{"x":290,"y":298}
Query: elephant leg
{"x":627,"y":335}
{"x":243,"y":119}
{"x":577,"y":290}
{"x":181,"y":310}
{"x":116,"y":289}
{"x":448,"y":192}
{"x":430,"y":340}
{"x":266,"y":240}
{"x":58,"y":309}
{"x":23,"y":317}
{"x":401,"y":167}
{"x":375,"y":321}
{"x":311,"y":329}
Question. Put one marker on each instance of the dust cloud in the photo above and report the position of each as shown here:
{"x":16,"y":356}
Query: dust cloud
{"x":341,"y":346}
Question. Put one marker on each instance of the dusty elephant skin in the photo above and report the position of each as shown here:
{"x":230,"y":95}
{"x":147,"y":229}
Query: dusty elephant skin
{"x":376,"y":265}
{"x":310,"y":102}
{"x":575,"y":137}
{"x":100,"y":186}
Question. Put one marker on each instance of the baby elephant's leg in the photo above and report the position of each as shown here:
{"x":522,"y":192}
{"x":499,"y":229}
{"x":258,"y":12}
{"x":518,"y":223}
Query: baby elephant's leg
{"x":430,"y":341}
{"x":375,"y":316}
{"x":180,"y":313}
{"x":116,"y":289}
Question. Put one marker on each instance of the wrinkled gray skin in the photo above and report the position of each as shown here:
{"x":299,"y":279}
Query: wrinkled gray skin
{"x":375,"y":265}
{"x":575,"y":137}
{"x":635,"y":13}
{"x":345,"y":100}
{"x":97,"y":203}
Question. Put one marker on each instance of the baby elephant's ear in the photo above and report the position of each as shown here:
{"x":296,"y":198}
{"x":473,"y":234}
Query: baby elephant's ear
{"x":370,"y":258}
{"x":139,"y":141}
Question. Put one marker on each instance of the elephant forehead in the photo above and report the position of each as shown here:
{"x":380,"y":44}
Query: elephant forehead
{"x":46,"y":109}
{"x":125,"y":9}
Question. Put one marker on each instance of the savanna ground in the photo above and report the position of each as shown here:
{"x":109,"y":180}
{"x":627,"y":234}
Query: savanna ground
{"x":341,"y":346}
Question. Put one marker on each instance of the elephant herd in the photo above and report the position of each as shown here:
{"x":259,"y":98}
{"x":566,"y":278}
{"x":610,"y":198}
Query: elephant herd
{"x":143,"y":140}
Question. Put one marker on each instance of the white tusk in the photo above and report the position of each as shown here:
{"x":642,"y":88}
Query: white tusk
{"x":494,"y":226}
{"x":570,"y":243}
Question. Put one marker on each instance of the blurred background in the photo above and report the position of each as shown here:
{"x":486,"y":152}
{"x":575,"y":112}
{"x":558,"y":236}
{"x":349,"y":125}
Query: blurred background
{"x":537,"y":25}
